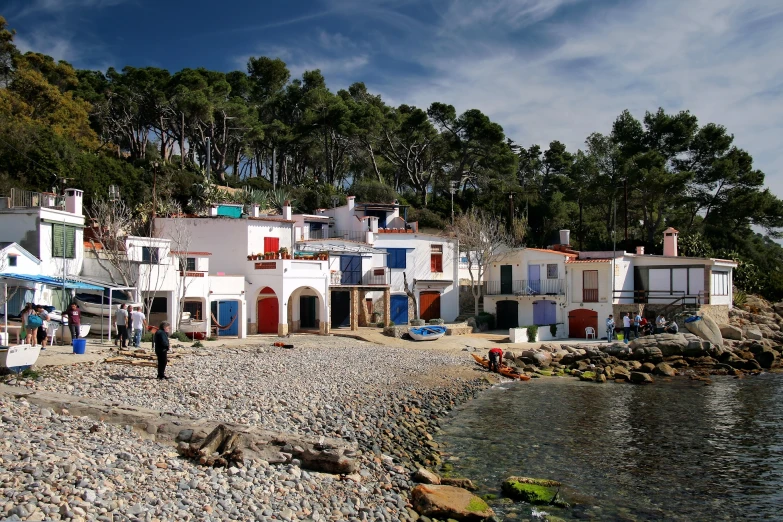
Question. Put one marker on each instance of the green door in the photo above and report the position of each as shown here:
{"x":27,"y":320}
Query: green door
{"x":506,"y":281}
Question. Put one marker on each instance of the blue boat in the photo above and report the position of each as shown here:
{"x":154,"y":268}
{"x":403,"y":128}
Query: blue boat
{"x":427,"y":333}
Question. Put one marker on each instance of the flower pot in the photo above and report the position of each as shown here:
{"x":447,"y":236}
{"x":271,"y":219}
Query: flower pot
{"x":249,"y":258}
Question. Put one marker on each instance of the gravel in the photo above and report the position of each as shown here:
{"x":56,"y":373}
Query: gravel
{"x":386,"y":399}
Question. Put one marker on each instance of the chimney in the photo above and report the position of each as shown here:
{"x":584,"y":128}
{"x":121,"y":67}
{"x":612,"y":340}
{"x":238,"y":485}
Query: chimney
{"x":640,"y":251}
{"x":287,"y":210}
{"x":670,"y":242}
{"x":351,"y":202}
{"x":73,"y":201}
{"x":255,"y":210}
{"x":565,"y":237}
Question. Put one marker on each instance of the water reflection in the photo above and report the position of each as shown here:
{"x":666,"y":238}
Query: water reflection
{"x":680,"y":450}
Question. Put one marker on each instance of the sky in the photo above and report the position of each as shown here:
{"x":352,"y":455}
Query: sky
{"x":544,"y":69}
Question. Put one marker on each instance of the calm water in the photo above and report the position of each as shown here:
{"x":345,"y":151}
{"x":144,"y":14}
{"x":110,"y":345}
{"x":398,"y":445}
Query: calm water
{"x":679,"y":450}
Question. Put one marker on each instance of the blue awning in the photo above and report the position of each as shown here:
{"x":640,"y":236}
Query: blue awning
{"x":52,"y":281}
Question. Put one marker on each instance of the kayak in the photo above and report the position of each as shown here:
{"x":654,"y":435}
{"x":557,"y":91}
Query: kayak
{"x":505,"y":371}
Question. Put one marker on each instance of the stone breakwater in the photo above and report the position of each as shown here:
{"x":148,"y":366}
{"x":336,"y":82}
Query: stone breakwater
{"x":386,"y":400}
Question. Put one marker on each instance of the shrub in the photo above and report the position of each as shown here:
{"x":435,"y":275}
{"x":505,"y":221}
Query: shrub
{"x":146,"y":337}
{"x":485,"y":321}
{"x":740,"y":298}
{"x":532,"y":332}
{"x":181,"y":336}
{"x":553,"y":330}
{"x":391,"y":323}
{"x":212,"y":338}
{"x":372,"y":191}
{"x":197,"y":344}
{"x":436,"y":321}
{"x":426,"y":218}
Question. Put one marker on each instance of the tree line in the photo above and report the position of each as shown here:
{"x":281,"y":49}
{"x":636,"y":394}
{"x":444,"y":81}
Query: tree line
{"x":165,"y":136}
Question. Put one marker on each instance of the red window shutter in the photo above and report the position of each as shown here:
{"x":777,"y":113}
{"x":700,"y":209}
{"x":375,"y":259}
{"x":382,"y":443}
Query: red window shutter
{"x":440,"y":263}
{"x":433,"y":263}
{"x":266,"y":244}
{"x":274,"y":243}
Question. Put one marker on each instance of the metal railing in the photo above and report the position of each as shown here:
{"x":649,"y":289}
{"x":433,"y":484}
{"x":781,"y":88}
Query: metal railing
{"x":28,"y":198}
{"x":526,"y":287}
{"x":660,"y":297}
{"x":378,"y":276}
{"x":330,"y":233}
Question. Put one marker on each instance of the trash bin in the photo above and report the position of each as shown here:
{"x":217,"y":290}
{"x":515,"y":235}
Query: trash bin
{"x":79,"y":345}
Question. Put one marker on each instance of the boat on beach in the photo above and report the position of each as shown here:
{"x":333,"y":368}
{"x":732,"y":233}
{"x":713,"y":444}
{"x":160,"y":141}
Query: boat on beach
{"x":427,"y":333}
{"x":505,"y":371}
{"x":19,"y":357}
{"x":96,"y":304}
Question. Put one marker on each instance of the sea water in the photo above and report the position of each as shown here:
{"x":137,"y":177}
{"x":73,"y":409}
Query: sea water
{"x":674,"y":450}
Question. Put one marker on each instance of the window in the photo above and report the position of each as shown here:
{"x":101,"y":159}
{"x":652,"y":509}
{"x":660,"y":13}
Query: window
{"x":720,"y":283}
{"x":63,"y":241}
{"x":149,"y":255}
{"x":436,"y":258}
{"x":187,"y":264}
{"x":590,"y":286}
{"x":396,"y":258}
{"x":11,"y":260}
{"x":551,"y":271}
{"x":271,"y":244}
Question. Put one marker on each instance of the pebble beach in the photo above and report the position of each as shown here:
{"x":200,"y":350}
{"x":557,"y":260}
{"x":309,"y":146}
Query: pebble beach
{"x":387,"y":400}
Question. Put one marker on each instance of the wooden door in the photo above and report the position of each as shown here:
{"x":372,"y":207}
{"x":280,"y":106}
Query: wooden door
{"x":579,"y":319}
{"x":534,"y":279}
{"x":429,"y":304}
{"x":506,"y":280}
{"x":341,"y":309}
{"x":544,"y":312}
{"x":399,"y":309}
{"x":507,"y":314}
{"x":268,"y":315}
{"x":307,"y":311}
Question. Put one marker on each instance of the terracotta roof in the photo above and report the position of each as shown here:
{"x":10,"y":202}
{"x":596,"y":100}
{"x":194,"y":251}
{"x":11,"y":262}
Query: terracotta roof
{"x":569,"y":261}
{"x":180,"y":252}
{"x":553,"y":252}
{"x":278,"y":220}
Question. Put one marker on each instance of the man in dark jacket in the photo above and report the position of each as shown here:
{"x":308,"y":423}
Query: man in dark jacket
{"x":161,"y":343}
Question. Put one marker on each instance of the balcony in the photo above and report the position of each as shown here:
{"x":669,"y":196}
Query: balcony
{"x":290,"y":267}
{"x":27,"y":198}
{"x":380,"y":276}
{"x":526,"y":287}
{"x":330,"y":233}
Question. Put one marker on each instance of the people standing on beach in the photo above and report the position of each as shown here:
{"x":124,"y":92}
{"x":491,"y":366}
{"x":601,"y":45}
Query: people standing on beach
{"x":138,"y":323}
{"x":74,"y":321}
{"x":161,"y":343}
{"x":24,"y":314}
{"x":660,"y":323}
{"x":33,"y":323}
{"x":43,"y":330}
{"x":626,"y":327}
{"x":610,"y":328}
{"x":121,"y":322}
{"x":637,"y":324}
{"x":644,"y":326}
{"x":495,"y":359}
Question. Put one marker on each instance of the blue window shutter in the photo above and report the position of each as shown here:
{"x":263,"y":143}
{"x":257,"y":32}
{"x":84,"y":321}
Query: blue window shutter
{"x":396,"y":258}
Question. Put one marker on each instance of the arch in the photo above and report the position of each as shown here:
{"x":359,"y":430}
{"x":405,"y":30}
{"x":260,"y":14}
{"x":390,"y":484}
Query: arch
{"x":579,"y":319}
{"x":306,"y":309}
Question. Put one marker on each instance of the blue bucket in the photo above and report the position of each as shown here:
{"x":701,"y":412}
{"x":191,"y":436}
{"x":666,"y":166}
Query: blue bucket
{"x":79,"y":345}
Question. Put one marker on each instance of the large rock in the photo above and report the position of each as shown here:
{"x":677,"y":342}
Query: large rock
{"x":705,"y":327}
{"x":756,"y":304}
{"x":667,"y":344}
{"x":532,"y":490}
{"x":641,"y":378}
{"x":444,"y":502}
{"x":648,"y":353}
{"x":426,"y":476}
{"x":767,"y":358}
{"x":729,"y":331}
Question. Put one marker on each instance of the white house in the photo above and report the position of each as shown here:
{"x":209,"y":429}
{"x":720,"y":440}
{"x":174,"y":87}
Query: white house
{"x":371,"y":246}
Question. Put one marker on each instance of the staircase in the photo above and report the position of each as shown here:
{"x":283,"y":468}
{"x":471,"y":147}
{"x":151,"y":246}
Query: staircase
{"x":469,"y":311}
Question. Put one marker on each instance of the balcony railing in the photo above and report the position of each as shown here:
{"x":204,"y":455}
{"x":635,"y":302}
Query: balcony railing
{"x":330,"y":233}
{"x":526,"y":287}
{"x":27,"y":198}
{"x":379,"y":276}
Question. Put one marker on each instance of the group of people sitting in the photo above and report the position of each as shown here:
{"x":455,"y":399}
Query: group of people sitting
{"x":35,"y":323}
{"x":639,"y":326}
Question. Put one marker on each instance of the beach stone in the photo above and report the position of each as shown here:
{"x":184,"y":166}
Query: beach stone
{"x":767,"y":358}
{"x":664,"y":369}
{"x":459,"y":483}
{"x":444,"y":502}
{"x":531,"y":490}
{"x":753,"y":334}
{"x":641,"y":378}
{"x":729,"y":331}
{"x":426,"y":476}
{"x":647,"y":367}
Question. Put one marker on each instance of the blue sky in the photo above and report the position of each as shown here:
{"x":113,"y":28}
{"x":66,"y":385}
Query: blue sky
{"x":544,"y":69}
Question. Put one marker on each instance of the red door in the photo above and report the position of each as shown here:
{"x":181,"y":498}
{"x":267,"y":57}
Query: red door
{"x":429,"y":302}
{"x":580,"y":319}
{"x":268,"y":312}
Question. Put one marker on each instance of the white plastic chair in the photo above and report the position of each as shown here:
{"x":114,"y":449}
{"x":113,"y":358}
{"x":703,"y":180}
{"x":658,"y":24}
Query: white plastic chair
{"x":589,"y":330}
{"x":51,"y":331}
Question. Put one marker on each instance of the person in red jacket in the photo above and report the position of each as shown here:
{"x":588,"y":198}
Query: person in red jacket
{"x":495,"y":359}
{"x":74,"y":320}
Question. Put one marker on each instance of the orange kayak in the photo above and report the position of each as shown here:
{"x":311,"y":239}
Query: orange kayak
{"x":505,"y":371}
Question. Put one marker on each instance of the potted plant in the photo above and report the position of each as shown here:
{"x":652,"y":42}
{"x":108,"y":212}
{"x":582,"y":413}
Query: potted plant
{"x":250,"y":257}
{"x":283,"y":252}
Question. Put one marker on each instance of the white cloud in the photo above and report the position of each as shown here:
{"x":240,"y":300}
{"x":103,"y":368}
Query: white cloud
{"x":38,"y":7}
{"x":58,"y":47}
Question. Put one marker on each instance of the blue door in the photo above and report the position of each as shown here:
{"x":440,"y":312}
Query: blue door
{"x":227,"y":320}
{"x":351,"y":267}
{"x":534,"y":279}
{"x":399,"y":309}
{"x":544,"y":312}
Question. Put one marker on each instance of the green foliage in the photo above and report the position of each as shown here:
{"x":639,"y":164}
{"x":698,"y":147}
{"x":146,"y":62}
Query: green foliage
{"x":485,"y":321}
{"x":197,"y":344}
{"x":29,"y":373}
{"x":147,"y":337}
{"x":532,"y":332}
{"x":476,"y":505}
{"x":427,"y":218}
{"x":212,"y":338}
{"x":372,"y":191}
{"x":181,"y":336}
{"x":530,"y":493}
{"x":553,"y":330}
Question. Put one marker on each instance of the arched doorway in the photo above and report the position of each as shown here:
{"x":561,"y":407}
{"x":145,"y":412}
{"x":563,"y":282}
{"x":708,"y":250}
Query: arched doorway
{"x":268,"y":311}
{"x":429,"y":302}
{"x":579,"y":319}
{"x":305,"y":310}
{"x":507,"y":315}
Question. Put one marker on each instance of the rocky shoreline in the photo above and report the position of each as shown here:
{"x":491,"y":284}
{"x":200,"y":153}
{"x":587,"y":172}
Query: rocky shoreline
{"x":94,"y":470}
